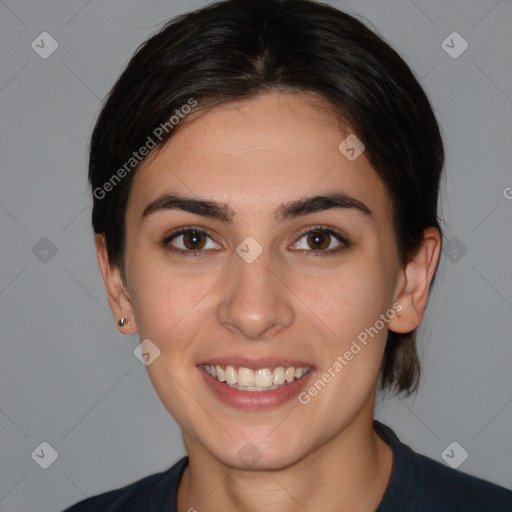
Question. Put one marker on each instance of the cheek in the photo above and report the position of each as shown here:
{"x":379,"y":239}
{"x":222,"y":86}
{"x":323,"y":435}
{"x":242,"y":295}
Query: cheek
{"x":350,"y":303}
{"x":164,"y":300}
{"x":348,"y":299}
{"x":169,"y":309}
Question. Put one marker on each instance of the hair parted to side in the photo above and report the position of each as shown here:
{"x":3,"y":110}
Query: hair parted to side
{"x":237,"y":49}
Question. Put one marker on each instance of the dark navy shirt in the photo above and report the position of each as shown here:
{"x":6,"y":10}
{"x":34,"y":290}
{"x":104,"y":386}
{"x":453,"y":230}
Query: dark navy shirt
{"x":417,"y":484}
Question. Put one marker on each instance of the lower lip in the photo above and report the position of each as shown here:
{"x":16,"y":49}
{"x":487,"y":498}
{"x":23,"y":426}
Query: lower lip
{"x":255,"y":399}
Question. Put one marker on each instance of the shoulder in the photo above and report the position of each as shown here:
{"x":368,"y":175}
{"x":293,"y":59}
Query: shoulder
{"x":147,"y":494}
{"x":463,"y":492}
{"x":421,"y":484}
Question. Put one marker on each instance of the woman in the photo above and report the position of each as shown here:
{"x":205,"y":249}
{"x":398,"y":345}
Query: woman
{"x":265,"y":177}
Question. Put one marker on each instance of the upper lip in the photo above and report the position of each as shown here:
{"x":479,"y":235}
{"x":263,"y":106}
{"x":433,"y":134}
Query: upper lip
{"x":255,"y":364}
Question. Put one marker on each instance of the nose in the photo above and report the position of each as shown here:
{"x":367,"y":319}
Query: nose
{"x":255,"y":302}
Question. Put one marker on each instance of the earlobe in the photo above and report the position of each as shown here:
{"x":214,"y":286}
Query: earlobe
{"x":117,"y":294}
{"x":414,"y":283}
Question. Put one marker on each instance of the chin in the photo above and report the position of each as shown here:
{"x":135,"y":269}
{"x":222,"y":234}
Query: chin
{"x":239,"y":452}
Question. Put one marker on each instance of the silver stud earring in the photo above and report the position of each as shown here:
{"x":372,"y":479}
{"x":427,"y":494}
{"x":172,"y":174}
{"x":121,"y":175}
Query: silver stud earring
{"x":122,"y":321}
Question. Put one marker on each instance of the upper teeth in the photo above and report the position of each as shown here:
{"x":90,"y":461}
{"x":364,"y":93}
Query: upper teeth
{"x":255,"y":380}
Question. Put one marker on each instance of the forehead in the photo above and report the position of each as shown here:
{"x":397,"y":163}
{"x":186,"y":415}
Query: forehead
{"x":261,"y":152}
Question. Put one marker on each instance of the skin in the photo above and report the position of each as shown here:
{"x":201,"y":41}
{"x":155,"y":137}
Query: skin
{"x":254,"y":156}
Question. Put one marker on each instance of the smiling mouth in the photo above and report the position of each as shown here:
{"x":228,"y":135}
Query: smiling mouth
{"x":262,"y":379}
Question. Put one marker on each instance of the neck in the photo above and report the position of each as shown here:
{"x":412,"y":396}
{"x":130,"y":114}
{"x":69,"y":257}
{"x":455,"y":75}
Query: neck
{"x":348,"y":473}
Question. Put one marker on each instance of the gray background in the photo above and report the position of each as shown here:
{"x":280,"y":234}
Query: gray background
{"x":68,"y":378}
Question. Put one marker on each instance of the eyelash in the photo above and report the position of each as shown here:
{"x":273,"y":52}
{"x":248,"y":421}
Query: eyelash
{"x":308,"y":253}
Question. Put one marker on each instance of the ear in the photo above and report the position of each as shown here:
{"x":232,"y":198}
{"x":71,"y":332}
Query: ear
{"x":117,"y":292}
{"x":413,"y":285}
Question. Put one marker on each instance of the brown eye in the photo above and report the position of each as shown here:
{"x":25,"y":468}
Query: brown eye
{"x":318,"y":240}
{"x":194,"y":240}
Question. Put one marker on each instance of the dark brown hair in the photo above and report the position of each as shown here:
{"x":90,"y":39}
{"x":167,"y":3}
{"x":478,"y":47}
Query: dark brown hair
{"x":236,"y":49}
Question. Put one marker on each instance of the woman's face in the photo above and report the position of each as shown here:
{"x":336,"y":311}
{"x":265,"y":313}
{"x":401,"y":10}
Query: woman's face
{"x":274,"y":278}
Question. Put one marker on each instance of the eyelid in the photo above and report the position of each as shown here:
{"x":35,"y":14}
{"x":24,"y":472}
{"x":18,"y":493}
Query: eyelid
{"x":185,"y":229}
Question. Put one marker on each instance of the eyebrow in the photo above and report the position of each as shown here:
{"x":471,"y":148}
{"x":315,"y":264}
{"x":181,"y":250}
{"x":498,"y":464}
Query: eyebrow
{"x":224,"y":213}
